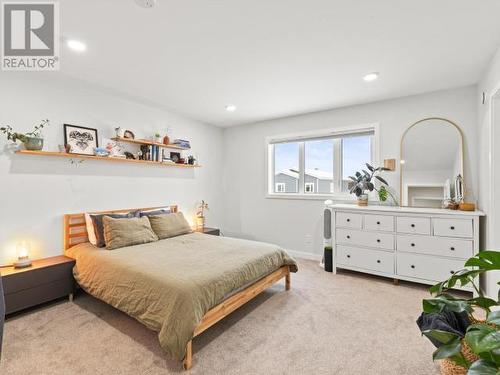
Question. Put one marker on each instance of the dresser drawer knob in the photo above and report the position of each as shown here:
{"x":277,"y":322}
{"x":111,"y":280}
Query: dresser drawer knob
{"x":348,"y":256}
{"x":378,"y":261}
{"x":412,"y":266}
{"x":378,"y":222}
{"x":378,"y":240}
{"x":452,"y":228}
{"x":413,"y":245}
{"x":348,"y":236}
{"x":348,"y":220}
{"x":413,"y":225}
{"x":452,"y":248}
{"x":452,"y":272}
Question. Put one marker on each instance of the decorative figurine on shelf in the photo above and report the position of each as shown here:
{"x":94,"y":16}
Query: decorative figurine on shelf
{"x":128,"y":134}
{"x":120,"y":132}
{"x":191,"y":160}
{"x":200,"y":215}
{"x":129,"y":155}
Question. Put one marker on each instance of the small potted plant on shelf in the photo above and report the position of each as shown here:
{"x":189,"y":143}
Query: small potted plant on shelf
{"x":200,"y":215}
{"x":362,"y":183}
{"x":157,"y":137}
{"x":32,"y":140}
{"x":466,"y":331}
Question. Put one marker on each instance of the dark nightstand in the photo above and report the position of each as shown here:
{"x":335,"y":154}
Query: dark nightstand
{"x":212,"y":231}
{"x":45,"y":280}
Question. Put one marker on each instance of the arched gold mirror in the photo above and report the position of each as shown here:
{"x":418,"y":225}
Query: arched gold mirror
{"x":431,"y":163}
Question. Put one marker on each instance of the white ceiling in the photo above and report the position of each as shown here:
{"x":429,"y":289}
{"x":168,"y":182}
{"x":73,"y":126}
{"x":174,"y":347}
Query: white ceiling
{"x":274,"y":58}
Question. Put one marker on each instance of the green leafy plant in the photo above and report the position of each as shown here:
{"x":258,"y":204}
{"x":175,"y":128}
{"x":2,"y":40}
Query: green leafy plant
{"x":362,"y":182}
{"x":14,"y":136}
{"x":482,"y":337}
{"x":384,"y":193}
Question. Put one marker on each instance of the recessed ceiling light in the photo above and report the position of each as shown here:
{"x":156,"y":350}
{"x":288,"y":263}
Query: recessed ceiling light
{"x":230,"y":108}
{"x":371,"y":76}
{"x":76,"y":45}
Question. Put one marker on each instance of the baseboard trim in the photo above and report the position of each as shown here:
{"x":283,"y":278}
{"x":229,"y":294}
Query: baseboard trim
{"x":302,"y":255}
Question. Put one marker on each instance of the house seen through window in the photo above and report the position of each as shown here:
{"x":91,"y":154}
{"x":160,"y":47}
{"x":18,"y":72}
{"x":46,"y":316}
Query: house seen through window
{"x":319,"y":166}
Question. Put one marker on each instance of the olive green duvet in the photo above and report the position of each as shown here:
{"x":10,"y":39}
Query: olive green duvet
{"x":169,"y":285}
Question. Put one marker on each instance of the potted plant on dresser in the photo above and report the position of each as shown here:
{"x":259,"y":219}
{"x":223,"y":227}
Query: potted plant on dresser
{"x":361,"y":183}
{"x":466,"y":331}
{"x":32,"y":140}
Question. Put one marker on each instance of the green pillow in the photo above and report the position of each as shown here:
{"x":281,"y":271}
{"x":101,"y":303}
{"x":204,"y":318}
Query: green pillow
{"x":127,"y":232}
{"x":169,"y":225}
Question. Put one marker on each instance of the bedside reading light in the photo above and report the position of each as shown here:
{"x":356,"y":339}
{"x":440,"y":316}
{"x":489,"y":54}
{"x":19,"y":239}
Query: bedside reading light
{"x":23,"y":259}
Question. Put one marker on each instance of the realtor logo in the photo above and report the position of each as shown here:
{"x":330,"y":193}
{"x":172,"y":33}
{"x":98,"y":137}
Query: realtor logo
{"x":30,"y":35}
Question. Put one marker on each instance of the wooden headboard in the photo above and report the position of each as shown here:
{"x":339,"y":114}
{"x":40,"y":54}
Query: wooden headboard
{"x":75,"y":229}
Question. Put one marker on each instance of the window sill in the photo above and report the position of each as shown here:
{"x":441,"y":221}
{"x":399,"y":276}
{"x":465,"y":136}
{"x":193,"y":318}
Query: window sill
{"x":314,"y":197}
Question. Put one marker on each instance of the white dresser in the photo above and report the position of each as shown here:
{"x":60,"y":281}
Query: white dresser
{"x":424,"y":245}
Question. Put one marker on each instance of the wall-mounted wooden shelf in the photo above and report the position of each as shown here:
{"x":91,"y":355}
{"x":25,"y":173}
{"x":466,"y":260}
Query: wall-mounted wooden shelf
{"x":104,"y":158}
{"x":149,"y":143}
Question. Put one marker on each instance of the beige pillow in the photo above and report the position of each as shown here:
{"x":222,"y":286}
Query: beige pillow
{"x":169,"y":225}
{"x":127,"y":232}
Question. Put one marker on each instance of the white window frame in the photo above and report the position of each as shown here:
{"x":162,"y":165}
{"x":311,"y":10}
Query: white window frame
{"x":281,"y":184}
{"x":304,"y":136}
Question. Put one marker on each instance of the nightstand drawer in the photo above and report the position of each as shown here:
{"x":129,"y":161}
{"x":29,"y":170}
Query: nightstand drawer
{"x":29,"y":278}
{"x":37,"y":295}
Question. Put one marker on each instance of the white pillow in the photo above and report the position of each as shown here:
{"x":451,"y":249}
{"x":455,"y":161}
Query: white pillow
{"x":90,"y":229}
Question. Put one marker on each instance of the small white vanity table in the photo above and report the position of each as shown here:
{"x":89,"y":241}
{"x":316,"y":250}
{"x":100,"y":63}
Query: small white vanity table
{"x":424,"y":245}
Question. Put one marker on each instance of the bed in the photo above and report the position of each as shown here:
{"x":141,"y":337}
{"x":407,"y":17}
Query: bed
{"x":179,"y":286}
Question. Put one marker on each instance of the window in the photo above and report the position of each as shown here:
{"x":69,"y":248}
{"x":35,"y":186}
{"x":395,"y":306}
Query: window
{"x":309,"y":187}
{"x":319,"y":163}
{"x":286,"y":167}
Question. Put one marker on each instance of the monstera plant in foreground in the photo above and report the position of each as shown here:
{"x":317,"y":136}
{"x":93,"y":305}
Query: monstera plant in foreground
{"x":477,"y":351}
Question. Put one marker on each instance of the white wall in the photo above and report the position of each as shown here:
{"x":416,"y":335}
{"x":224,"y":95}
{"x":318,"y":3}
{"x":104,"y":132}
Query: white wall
{"x":489,"y":163}
{"x":297,"y":224}
{"x":35,"y":192}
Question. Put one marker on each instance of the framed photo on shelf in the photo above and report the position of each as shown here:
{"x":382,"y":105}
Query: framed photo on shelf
{"x":81,"y":139}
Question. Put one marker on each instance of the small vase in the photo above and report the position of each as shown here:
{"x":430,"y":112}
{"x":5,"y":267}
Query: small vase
{"x":166,"y":140}
{"x":33,"y":143}
{"x":363,"y":200}
{"x":200,"y":222}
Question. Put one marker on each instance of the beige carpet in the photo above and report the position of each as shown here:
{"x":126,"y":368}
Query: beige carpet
{"x":327,"y":324}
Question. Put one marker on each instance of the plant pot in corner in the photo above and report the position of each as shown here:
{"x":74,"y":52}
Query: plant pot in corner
{"x":363,"y":200}
{"x":33,"y":143}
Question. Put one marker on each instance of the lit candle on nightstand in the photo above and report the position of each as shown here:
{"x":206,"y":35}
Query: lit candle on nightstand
{"x":23,"y":259}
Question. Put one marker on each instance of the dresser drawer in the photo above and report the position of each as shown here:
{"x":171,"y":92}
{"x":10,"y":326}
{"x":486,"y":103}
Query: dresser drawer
{"x":426,"y":267}
{"x":453,"y":227}
{"x":379,"y":222}
{"x":414,"y":225}
{"x":375,"y":260}
{"x":348,"y":220}
{"x":360,"y":238}
{"x":449,"y":247}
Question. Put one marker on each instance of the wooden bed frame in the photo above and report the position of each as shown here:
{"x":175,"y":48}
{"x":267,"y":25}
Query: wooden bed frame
{"x":75,"y":232}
